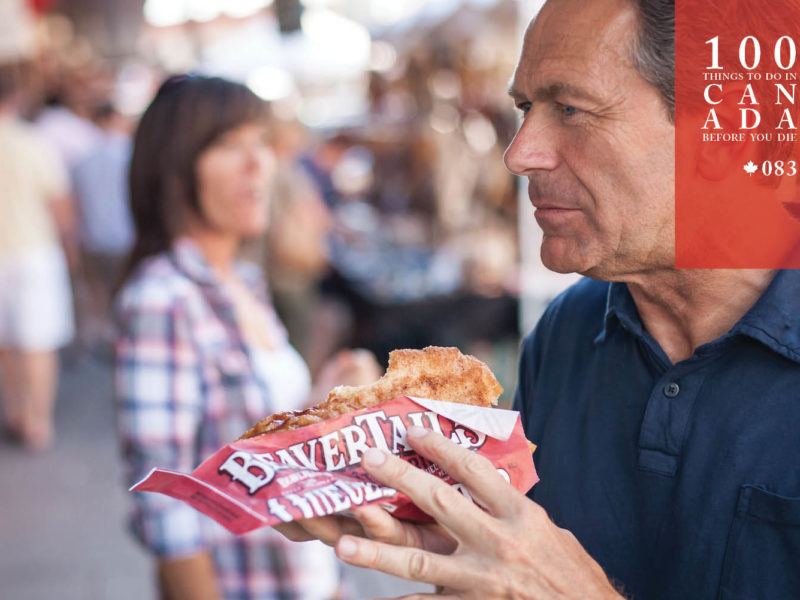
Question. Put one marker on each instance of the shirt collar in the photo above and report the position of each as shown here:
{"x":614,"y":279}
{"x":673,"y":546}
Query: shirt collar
{"x":774,"y":320}
{"x":620,"y":310}
{"x":190,"y":259}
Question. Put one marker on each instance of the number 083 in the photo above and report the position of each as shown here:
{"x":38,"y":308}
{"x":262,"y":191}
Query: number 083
{"x":779,"y":168}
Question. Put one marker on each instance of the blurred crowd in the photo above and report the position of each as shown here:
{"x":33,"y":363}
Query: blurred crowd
{"x":222,"y":250}
{"x":398,"y":230}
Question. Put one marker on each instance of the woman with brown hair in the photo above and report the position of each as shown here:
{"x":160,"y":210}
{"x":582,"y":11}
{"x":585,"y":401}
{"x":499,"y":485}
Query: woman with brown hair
{"x":201,"y":354}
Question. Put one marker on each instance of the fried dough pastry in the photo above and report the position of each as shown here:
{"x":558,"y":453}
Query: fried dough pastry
{"x":437,"y":373}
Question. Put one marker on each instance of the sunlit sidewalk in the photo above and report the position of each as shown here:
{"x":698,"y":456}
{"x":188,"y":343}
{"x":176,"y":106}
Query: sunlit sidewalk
{"x":62,"y":522}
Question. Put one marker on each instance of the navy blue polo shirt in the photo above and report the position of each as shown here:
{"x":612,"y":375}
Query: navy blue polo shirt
{"x":681,"y":480}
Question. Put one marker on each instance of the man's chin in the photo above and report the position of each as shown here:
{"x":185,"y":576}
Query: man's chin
{"x":561,"y":269}
{"x":562,"y":260}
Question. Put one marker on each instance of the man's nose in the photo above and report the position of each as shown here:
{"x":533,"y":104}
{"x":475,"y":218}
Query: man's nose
{"x":534,"y":147}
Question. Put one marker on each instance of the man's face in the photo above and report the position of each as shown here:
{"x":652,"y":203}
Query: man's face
{"x":596,"y":143}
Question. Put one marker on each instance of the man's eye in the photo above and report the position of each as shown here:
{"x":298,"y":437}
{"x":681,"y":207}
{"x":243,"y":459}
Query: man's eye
{"x":568,"y":111}
{"x":524,"y":107}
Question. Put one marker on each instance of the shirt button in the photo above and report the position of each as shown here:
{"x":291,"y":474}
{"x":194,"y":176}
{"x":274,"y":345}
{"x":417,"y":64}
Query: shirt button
{"x":671,"y":390}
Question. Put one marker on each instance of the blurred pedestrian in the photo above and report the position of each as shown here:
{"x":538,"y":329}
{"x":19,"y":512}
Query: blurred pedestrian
{"x":105,"y":230}
{"x":65,"y":119}
{"x":201,"y":355}
{"x":320,"y":163}
{"x":297,"y":248}
{"x":35,"y":298}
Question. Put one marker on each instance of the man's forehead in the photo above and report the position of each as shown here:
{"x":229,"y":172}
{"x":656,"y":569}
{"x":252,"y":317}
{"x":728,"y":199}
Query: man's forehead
{"x":578,"y":37}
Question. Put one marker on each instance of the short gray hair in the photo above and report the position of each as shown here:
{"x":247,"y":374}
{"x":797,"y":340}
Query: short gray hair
{"x":654,"y":48}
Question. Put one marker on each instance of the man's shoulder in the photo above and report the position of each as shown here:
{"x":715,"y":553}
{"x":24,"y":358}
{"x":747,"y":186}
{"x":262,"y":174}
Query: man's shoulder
{"x":575,"y":313}
{"x":585,"y":295}
{"x":559,"y":345}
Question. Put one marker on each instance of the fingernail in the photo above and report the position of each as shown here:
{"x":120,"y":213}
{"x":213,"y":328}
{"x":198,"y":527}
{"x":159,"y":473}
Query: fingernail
{"x":347,"y":547}
{"x":374,"y":457}
{"x":417,"y":432}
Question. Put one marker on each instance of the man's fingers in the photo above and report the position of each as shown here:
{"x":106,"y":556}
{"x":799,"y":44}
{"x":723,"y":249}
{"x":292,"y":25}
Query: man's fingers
{"x":329,"y":529}
{"x":373,"y":522}
{"x":294,"y":532}
{"x":476,"y":472}
{"x":458,"y":515}
{"x":409,"y":563}
{"x":379,"y":525}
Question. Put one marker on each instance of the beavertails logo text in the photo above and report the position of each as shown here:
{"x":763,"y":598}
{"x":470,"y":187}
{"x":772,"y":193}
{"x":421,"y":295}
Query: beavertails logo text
{"x":339,"y":449}
{"x":315,"y":471}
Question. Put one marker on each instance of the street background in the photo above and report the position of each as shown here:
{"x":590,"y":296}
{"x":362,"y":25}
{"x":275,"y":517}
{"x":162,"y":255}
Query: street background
{"x":389,"y":119}
{"x":62,"y":531}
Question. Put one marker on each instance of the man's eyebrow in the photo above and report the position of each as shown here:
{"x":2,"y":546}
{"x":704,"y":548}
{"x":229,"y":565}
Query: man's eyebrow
{"x":514,"y":92}
{"x":554,"y":91}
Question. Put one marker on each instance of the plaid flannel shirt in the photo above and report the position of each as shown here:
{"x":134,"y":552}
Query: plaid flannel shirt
{"x":184,"y":387}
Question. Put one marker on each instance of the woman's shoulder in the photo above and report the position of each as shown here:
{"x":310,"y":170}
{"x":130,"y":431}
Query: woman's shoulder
{"x":157,"y":284}
{"x":253,"y":277}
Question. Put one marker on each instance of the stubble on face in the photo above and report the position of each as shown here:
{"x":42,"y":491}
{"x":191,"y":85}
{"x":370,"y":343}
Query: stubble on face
{"x":597,"y":140}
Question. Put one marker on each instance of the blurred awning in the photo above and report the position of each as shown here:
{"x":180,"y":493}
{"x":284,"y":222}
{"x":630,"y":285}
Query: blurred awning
{"x":16,"y":31}
{"x":42,"y":6}
{"x":317,"y":73}
{"x":166,"y":13}
{"x":429,"y":14}
{"x":328,"y":48}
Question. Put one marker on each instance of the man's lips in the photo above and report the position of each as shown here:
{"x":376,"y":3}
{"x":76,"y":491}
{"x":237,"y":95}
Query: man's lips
{"x":552,"y":207}
{"x":549,"y":214}
{"x":539,"y":206}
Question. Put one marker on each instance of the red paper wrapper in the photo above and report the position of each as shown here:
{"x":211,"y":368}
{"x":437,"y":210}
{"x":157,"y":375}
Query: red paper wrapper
{"x":316,"y":470}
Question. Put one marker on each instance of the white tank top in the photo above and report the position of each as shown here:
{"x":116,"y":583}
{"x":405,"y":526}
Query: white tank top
{"x":285,"y":374}
{"x":289,"y":382}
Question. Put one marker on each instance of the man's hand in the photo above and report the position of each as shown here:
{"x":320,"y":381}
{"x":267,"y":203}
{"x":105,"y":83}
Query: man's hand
{"x":509,"y":550}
